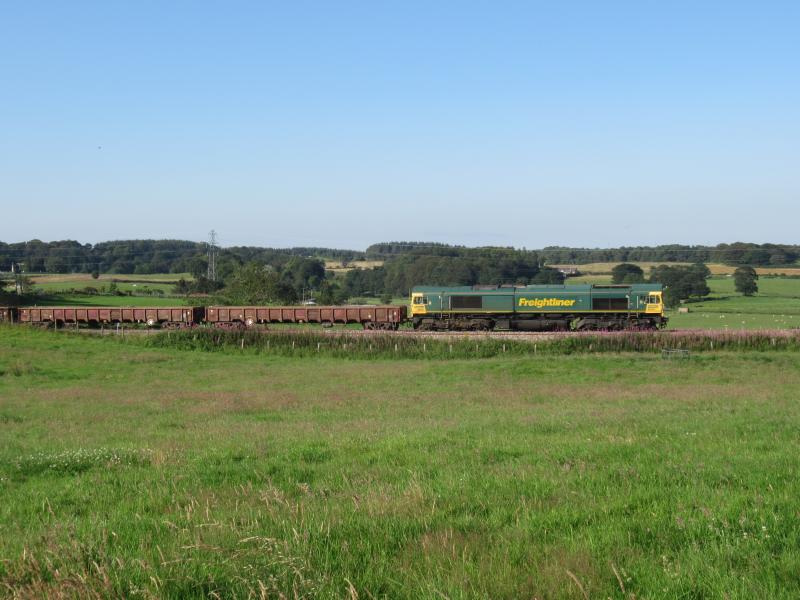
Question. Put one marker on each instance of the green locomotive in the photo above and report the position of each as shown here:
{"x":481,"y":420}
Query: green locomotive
{"x":538,"y":307}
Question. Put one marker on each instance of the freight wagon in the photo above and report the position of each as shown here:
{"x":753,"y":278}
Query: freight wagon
{"x":7,"y":314}
{"x":538,"y":307}
{"x":370,"y":317}
{"x":168,"y":317}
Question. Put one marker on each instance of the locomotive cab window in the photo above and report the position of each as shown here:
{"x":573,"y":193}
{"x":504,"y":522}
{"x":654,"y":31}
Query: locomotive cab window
{"x":459,"y":302}
{"x":421,"y":300}
{"x":653,"y":299}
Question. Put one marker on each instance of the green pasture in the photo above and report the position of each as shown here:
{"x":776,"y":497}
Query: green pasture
{"x":135,"y":283}
{"x":122,"y":286}
{"x":92,"y":300}
{"x":128,"y":471}
{"x":777,"y":305}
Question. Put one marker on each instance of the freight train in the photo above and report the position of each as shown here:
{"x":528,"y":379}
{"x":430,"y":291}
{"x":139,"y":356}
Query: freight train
{"x":433,"y":308}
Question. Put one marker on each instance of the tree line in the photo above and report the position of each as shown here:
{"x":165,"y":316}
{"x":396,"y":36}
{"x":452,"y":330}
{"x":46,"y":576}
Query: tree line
{"x":147,"y":256}
{"x":181,"y":256}
{"x":738,"y":253}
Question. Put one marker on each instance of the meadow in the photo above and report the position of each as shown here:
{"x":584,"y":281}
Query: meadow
{"x":776,"y":306}
{"x":133,"y":471}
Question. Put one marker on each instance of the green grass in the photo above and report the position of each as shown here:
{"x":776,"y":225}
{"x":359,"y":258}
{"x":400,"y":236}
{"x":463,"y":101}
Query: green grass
{"x":776,"y":306}
{"x":75,"y":282}
{"x":67,"y":286}
{"x":92,"y":300}
{"x":127,"y":471}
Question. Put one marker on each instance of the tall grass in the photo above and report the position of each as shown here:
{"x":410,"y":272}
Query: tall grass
{"x":381,"y":346}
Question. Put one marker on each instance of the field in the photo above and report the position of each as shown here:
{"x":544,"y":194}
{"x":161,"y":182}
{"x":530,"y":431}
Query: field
{"x":128,"y":471}
{"x":93,"y":300}
{"x":141,"y":284}
{"x":777,"y":305}
{"x":337,"y":267}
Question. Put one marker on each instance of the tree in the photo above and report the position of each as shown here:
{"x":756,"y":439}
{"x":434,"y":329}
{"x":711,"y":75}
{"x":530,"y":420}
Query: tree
{"x":95,"y":273}
{"x":681,"y":282}
{"x":253,"y":283}
{"x":627,"y":273}
{"x":548,"y":276}
{"x":198,"y":267}
{"x":745,"y":280}
{"x":330,"y":293}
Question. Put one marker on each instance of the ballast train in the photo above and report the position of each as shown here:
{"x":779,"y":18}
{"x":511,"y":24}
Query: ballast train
{"x":478,"y":308}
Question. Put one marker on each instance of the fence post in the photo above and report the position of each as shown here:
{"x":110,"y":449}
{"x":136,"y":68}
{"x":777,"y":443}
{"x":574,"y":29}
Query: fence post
{"x":504,"y":348}
{"x":318,"y":346}
{"x":424,"y":347}
{"x":451,"y":348}
{"x":242,"y":343}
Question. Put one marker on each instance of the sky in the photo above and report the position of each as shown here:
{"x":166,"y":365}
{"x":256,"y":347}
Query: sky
{"x":341,"y":124}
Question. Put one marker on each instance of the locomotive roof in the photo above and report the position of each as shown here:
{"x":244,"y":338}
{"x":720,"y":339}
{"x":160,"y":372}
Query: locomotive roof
{"x":578,"y":288}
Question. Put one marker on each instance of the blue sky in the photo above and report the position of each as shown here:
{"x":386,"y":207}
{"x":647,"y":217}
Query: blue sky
{"x":342,"y":124}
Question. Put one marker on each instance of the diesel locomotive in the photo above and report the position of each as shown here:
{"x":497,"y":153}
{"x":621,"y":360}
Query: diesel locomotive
{"x":538,"y":307}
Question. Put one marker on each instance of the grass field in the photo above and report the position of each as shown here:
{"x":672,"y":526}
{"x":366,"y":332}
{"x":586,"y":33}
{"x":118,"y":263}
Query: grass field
{"x":777,"y":305}
{"x":54,"y":283}
{"x":92,"y":300}
{"x":135,"y":472}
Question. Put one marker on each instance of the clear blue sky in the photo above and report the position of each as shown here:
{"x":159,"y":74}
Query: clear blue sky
{"x":341,"y":124}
